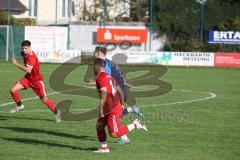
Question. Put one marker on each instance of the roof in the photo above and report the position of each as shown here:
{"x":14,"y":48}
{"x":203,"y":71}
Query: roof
{"x":12,"y":5}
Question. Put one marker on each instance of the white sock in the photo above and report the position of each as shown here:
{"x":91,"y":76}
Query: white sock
{"x":131,"y":127}
{"x":104,"y":145}
{"x":124,"y":137}
{"x":129,"y":109}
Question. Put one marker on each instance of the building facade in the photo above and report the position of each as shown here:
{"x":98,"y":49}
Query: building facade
{"x":46,"y":12}
{"x":58,"y":12}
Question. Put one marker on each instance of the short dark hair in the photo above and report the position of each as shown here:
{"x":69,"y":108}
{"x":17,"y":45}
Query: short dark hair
{"x":99,"y":62}
{"x":101,"y":49}
{"x":26,"y":43}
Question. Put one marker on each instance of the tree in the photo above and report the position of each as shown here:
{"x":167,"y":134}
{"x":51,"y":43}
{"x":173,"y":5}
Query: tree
{"x":176,"y":19}
{"x":138,"y":10}
{"x":180,"y":20}
{"x":3,"y":18}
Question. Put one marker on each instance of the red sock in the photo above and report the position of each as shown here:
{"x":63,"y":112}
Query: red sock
{"x":50,"y":104}
{"x":101,"y":135}
{"x":122,"y":131}
{"x":15,"y":96}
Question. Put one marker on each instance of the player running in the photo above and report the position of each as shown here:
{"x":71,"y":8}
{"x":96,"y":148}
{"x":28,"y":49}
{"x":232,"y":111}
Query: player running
{"x":110,"y":107}
{"x":115,"y":71}
{"x":33,"y":79}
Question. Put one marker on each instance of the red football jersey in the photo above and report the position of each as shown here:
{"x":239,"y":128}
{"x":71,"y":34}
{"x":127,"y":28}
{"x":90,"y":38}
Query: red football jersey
{"x":32,"y":61}
{"x":112,"y":100}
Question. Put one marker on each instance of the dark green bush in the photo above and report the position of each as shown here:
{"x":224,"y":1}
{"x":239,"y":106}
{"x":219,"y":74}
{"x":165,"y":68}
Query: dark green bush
{"x":24,"y":21}
{"x":16,"y":21}
{"x":3,"y":18}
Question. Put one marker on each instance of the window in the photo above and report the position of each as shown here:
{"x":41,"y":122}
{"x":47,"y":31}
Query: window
{"x":66,"y":8}
{"x":32,"y":8}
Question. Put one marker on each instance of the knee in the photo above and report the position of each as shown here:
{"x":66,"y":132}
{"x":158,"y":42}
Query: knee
{"x":17,"y":87}
{"x":13,"y":90}
{"x":114,"y":135}
{"x":43,"y":98}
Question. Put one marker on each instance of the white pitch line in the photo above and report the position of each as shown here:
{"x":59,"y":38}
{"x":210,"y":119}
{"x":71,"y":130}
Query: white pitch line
{"x":27,"y":99}
{"x":211,"y":96}
{"x":3,"y":71}
{"x":46,"y":110}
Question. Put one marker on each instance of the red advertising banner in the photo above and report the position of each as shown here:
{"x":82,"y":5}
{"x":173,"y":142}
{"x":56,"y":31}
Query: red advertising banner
{"x":121,"y":35}
{"x":227,"y":59}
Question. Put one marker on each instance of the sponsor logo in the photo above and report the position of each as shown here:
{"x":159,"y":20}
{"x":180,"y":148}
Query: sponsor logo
{"x":163,"y":58}
{"x":57,"y":56}
{"x":225,"y":37}
{"x":107,"y":35}
{"x":227,"y":59}
{"x":121,"y":35}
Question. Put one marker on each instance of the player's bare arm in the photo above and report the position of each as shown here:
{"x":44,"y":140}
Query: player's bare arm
{"x":27,"y":69}
{"x":102,"y":100}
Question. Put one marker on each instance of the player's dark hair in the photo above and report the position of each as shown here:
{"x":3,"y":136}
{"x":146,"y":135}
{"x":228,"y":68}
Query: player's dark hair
{"x":98,"y":65}
{"x":26,"y":43}
{"x":101,"y":49}
{"x":99,"y":62}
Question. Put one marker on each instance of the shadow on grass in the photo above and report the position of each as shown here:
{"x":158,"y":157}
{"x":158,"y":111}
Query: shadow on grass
{"x":60,"y":134}
{"x":26,"y":118}
{"x":50,"y":144}
{"x":3,"y":119}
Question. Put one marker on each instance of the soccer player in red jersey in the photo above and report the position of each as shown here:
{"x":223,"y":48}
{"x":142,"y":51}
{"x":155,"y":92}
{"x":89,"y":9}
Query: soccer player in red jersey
{"x":33,"y":79}
{"x":112,"y":69}
{"x":110,"y":108}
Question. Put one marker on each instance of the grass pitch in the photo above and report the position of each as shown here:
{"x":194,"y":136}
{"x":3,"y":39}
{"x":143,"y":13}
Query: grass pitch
{"x":199,"y":119}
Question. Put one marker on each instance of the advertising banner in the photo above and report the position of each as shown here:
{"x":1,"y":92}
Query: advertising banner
{"x":192,"y":58}
{"x":62,"y":56}
{"x":164,"y":58}
{"x":119,"y":35}
{"x":49,"y":38}
{"x":224,"y":37}
{"x":227,"y":59}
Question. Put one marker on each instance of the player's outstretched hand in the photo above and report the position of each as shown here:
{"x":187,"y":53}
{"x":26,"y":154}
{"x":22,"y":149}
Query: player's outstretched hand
{"x":130,"y":85}
{"x":91,"y":82}
{"x":14,"y":61}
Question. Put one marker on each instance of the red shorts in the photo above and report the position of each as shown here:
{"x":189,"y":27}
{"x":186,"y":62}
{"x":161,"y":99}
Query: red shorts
{"x":112,"y":120}
{"x":38,"y":86}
